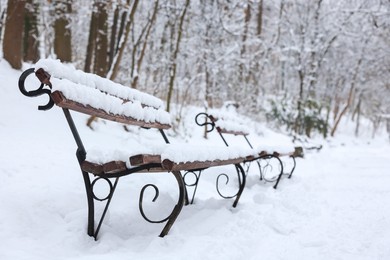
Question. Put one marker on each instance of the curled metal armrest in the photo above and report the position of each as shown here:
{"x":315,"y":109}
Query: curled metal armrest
{"x":37,"y":92}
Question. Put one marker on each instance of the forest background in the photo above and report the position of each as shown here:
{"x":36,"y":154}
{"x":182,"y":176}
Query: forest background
{"x":301,"y":65}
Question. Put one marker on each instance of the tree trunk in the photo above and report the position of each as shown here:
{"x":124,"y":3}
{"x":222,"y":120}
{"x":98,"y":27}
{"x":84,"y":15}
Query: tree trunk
{"x":114,"y":29}
{"x":91,"y":43}
{"x":243,"y":43}
{"x":63,"y":36}
{"x":172,"y":72}
{"x":143,"y":50}
{"x":352,"y":88}
{"x":2,"y":15}
{"x":96,"y":58}
{"x":30,"y":39}
{"x":115,"y":67}
{"x":101,"y":46}
{"x":260,"y":18}
{"x":13,"y":33}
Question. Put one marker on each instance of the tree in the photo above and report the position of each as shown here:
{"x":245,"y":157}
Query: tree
{"x":97,"y":49}
{"x":30,"y":37}
{"x":62,"y":32}
{"x":113,"y":72}
{"x":13,"y":33}
{"x":2,"y":16}
{"x":174,"y":55}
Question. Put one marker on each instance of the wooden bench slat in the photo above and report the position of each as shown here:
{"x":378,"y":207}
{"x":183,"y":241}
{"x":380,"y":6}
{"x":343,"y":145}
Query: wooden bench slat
{"x":93,"y":168}
{"x":61,"y":101}
{"x":225,"y":131}
{"x":172,"y":166}
{"x":106,"y":168}
{"x":141,"y":159}
{"x":113,"y":167}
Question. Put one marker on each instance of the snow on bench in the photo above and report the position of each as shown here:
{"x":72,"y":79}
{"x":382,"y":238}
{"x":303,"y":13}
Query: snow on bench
{"x":227,"y":123}
{"x":230,"y":125}
{"x":90,"y":94}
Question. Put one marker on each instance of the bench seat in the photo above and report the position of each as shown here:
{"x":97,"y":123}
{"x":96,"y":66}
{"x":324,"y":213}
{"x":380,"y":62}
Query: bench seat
{"x":170,"y":157}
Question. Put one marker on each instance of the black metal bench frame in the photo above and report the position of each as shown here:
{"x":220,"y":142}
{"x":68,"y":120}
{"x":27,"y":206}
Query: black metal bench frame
{"x":112,"y":171}
{"x":209,"y":122}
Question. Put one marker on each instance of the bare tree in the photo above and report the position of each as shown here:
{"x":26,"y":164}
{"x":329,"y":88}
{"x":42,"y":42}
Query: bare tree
{"x":63,"y":35}
{"x":13,"y":33}
{"x":96,"y":58}
{"x":174,"y":54}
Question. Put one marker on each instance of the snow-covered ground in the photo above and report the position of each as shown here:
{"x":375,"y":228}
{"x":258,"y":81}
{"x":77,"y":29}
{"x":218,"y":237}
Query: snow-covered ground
{"x":334,"y":207}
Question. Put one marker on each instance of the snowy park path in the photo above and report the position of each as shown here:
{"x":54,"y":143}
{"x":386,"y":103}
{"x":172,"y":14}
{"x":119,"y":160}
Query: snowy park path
{"x":346,"y":214}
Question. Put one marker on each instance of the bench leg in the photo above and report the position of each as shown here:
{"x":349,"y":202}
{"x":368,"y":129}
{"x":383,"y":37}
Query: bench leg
{"x":193,"y":184}
{"x":260,"y":171}
{"x":281,"y":172}
{"x":176,"y":210}
{"x":293,"y":168}
{"x":91,"y":197}
{"x":108,"y":198}
{"x":91,"y":204}
{"x":272,"y":163}
{"x":242,"y":183}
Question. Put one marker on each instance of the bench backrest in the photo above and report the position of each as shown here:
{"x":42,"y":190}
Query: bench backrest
{"x":233,"y":126}
{"x":90,"y":94}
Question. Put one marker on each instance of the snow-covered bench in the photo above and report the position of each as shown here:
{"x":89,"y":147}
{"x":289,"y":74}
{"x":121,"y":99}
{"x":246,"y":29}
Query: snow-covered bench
{"x":75,"y":90}
{"x":224,"y":124}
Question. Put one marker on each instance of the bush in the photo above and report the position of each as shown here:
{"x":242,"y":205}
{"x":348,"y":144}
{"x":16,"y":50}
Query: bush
{"x":303,"y":120}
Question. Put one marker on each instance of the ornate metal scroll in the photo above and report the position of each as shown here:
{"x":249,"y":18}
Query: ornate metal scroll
{"x":141,"y":198}
{"x":37,"y":92}
{"x":241,"y":184}
{"x":193,"y":184}
{"x":268,"y":167}
{"x":107,"y":198}
{"x":205,"y":122}
{"x":176,"y":210}
{"x":110,"y":187}
{"x":293,"y":168}
{"x":209,"y":123}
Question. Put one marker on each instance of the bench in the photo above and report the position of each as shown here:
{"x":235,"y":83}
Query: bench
{"x":76,"y":91}
{"x":265,"y":153}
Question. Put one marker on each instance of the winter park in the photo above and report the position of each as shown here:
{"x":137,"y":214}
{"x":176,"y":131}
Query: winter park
{"x":194,"y":129}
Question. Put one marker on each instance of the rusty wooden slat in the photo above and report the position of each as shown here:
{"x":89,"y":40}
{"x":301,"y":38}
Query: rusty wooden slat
{"x":141,"y":159}
{"x":225,"y":131}
{"x":93,"y":168}
{"x":250,"y":158}
{"x":153,"y":170}
{"x":62,"y":101}
{"x":171,"y":166}
{"x":114,"y":167}
{"x":43,"y":76}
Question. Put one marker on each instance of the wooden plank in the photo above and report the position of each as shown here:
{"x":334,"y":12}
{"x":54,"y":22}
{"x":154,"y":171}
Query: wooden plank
{"x":141,"y":159}
{"x":153,"y":170}
{"x":94,"y":168}
{"x":171,"y":166}
{"x":114,"y":167}
{"x":250,"y":158}
{"x":225,"y":131}
{"x":63,"y":102}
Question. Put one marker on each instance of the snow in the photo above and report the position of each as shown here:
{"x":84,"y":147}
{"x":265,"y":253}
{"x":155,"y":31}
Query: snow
{"x":67,"y":71}
{"x":334,"y":206}
{"x":111,"y":104}
{"x":228,"y":119}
